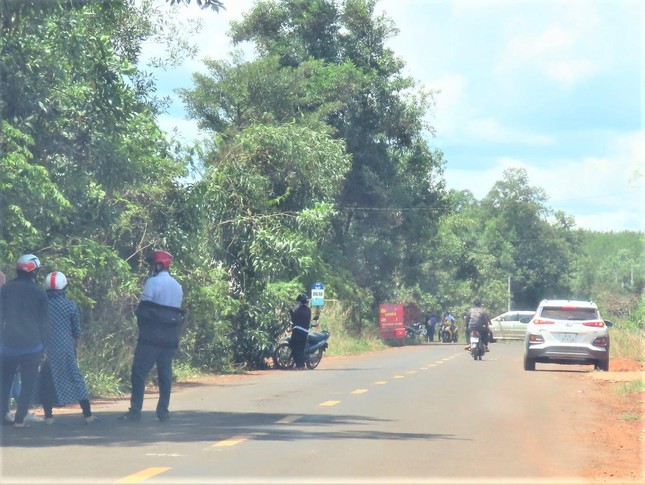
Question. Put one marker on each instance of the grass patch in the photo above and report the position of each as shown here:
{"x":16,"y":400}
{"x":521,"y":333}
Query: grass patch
{"x":103,"y":384}
{"x":637,"y":385}
{"x":627,"y":343}
{"x":631,"y":416}
{"x":342,"y":342}
{"x":183,"y":372}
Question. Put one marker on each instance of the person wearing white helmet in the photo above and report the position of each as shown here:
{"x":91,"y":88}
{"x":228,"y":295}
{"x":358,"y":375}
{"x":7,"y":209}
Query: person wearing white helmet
{"x":24,"y":320}
{"x":159,"y":318}
{"x":61,"y":381}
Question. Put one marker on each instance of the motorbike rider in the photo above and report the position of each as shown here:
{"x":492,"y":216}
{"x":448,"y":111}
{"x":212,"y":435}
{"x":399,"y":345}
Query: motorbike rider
{"x":477,"y":318}
{"x":301,"y":321}
{"x":448,"y":324}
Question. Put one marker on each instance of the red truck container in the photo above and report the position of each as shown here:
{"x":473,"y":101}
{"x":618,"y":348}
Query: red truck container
{"x":393,"y":317}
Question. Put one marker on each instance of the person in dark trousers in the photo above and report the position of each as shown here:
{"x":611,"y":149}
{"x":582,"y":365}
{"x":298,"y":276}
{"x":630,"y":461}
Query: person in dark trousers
{"x":479,"y":319}
{"x":24,"y":324}
{"x":159,"y":318}
{"x":431,"y":324}
{"x":301,"y":321}
{"x":61,"y":381}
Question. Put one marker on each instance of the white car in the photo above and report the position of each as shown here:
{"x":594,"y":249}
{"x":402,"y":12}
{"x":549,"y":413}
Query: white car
{"x":511,"y":325}
{"x":567,"y":332}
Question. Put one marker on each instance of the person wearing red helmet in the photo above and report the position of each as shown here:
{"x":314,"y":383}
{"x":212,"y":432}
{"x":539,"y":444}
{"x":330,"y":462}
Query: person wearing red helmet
{"x":159,"y":318}
{"x":24,"y":320}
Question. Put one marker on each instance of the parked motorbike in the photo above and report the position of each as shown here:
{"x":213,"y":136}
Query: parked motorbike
{"x":316,"y":345}
{"x":416,"y":330}
{"x":448,"y":332}
{"x":477,"y":348}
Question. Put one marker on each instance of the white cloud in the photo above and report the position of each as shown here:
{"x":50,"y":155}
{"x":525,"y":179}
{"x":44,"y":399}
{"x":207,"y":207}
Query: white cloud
{"x":450,"y":103}
{"x":602,"y":193}
{"x":564,"y":45}
{"x":186,"y":130}
{"x":489,"y":130}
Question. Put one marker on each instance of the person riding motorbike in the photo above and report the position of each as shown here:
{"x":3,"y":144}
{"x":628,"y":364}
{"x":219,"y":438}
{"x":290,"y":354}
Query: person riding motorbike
{"x":478,"y":319}
{"x":448,"y":330}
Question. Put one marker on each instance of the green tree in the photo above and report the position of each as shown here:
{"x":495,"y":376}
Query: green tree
{"x":269,"y":193}
{"x":533,"y":246}
{"x":88,"y":181}
{"x":391,"y":194}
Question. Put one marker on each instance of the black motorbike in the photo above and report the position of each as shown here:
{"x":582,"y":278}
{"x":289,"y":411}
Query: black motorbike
{"x":316,"y":345}
{"x":416,"y":330}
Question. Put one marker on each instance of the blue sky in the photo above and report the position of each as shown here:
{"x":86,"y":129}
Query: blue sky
{"x":552,"y":86}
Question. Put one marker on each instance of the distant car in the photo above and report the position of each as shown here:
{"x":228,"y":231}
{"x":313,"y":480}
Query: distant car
{"x":567,"y":332}
{"x":511,"y":325}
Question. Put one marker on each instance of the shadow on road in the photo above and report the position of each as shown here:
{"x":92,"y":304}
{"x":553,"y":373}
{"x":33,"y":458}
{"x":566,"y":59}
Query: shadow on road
{"x":195,"y":426}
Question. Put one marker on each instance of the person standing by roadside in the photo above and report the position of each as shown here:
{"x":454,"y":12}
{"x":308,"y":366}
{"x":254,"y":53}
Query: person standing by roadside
{"x":24,"y":324}
{"x":61,"y":380}
{"x":431,"y":324}
{"x":16,"y":386}
{"x":301,"y":321}
{"x":159,"y":318}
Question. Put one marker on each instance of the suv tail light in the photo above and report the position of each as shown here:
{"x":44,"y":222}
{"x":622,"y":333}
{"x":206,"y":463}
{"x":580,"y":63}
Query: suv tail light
{"x":600,"y":341}
{"x":598,"y":324}
{"x":536,"y":339}
{"x":540,"y":321}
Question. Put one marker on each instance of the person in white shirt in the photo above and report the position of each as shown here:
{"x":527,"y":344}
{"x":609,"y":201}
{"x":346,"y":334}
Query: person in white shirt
{"x":159,"y":318}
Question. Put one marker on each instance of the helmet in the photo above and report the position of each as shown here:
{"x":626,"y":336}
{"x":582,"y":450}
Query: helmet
{"x":302,"y":298}
{"x":28,"y":263}
{"x":55,"y":281}
{"x":162,"y":257}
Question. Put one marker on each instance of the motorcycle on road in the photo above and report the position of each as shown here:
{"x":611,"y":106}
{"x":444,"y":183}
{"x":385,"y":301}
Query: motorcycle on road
{"x":477,"y":348}
{"x":316,"y":345}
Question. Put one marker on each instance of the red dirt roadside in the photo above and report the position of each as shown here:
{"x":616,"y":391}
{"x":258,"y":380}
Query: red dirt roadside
{"x":618,"y":438}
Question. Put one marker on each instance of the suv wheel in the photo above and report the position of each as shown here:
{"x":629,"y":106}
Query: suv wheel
{"x":602,"y":365}
{"x":529,"y":364}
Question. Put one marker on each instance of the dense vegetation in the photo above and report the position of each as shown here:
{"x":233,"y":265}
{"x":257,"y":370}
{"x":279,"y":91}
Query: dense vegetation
{"x":318,"y":167}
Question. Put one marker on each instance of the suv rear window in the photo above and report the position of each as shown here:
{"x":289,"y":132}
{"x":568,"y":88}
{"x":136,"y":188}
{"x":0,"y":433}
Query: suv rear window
{"x":562,"y":313}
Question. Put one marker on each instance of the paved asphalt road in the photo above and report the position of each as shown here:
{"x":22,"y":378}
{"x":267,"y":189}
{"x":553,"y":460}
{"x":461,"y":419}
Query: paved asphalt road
{"x":414,"y":414}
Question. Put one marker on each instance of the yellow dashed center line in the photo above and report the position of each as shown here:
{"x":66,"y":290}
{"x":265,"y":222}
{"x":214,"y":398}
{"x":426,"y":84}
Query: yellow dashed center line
{"x":289,"y":419}
{"x":235,"y":440}
{"x":412,"y":372}
{"x":360,"y":391}
{"x":398,"y":377}
{"x":143,"y":475}
{"x":380,"y":382}
{"x":329,"y":403}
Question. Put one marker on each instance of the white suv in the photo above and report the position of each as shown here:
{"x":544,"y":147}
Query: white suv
{"x":567,"y":332}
